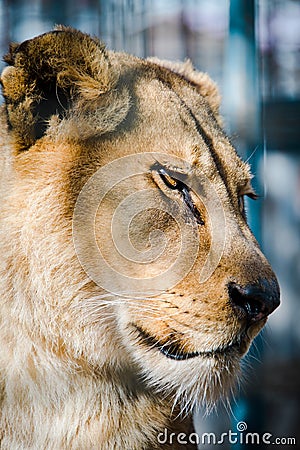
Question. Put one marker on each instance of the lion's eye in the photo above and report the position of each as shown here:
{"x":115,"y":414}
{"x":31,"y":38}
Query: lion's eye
{"x":169,"y":181}
{"x":174,"y":184}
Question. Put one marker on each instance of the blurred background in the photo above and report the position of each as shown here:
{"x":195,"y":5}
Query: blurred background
{"x":252,"y":49}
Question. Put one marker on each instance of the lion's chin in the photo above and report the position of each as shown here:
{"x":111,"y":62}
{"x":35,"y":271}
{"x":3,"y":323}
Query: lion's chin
{"x":201,"y":379}
{"x":197,"y":382}
{"x":190,"y":377}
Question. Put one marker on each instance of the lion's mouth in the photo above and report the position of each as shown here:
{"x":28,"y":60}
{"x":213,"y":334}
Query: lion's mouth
{"x":172,"y":349}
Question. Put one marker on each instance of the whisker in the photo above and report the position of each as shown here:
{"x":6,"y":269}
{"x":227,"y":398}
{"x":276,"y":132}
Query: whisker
{"x":252,"y":154}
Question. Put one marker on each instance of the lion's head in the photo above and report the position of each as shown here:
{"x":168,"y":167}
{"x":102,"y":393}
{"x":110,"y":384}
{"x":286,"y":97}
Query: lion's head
{"x":125,"y":236}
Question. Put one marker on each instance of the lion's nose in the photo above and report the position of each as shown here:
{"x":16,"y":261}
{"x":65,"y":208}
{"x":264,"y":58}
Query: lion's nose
{"x":255,"y":301}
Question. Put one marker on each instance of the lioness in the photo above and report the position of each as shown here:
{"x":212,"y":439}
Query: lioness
{"x":131,"y":284}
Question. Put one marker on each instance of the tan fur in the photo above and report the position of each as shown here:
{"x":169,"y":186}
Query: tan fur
{"x":75,"y":373}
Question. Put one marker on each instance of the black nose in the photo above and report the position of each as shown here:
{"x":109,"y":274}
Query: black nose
{"x":255,"y":301}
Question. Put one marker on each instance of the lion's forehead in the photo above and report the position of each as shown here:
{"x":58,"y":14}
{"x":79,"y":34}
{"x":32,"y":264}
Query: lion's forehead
{"x":172,"y":118}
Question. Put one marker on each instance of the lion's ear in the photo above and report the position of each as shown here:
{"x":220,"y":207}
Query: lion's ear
{"x":207,"y":88}
{"x":47,"y":74}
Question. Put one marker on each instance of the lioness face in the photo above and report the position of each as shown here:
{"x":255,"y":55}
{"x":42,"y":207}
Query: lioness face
{"x":197,"y":289}
{"x":148,"y":198}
